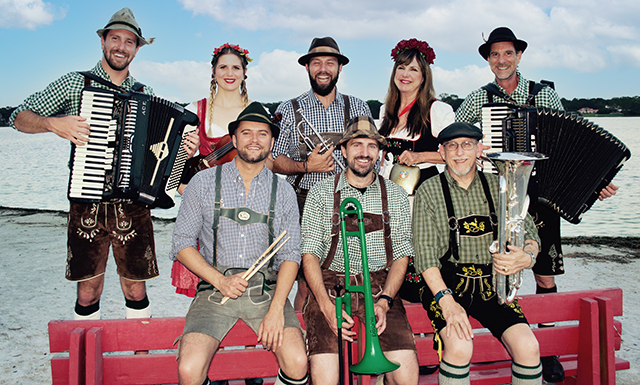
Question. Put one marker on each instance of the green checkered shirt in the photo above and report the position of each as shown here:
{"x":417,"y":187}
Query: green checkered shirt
{"x":431,"y":229}
{"x":316,"y":224}
{"x":63,"y":95}
{"x":470,"y":110}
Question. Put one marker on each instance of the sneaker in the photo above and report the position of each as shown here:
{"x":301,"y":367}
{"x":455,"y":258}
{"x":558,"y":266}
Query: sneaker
{"x":552,"y":370}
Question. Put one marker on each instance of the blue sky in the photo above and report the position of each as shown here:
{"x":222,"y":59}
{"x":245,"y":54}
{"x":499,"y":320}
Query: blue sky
{"x":589,"y":48}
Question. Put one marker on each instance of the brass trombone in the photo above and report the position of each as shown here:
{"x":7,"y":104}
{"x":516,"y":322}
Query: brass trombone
{"x":373,"y":360}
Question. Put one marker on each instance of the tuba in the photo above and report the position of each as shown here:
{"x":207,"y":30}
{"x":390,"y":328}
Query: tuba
{"x":373,"y":360}
{"x":514,"y":169}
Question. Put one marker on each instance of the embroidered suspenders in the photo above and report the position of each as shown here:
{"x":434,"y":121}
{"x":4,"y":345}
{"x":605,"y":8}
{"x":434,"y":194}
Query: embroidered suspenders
{"x":241,"y":215}
{"x":455,"y":223}
{"x":372,"y":222}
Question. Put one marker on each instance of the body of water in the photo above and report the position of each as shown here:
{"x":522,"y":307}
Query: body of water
{"x":34,"y":174}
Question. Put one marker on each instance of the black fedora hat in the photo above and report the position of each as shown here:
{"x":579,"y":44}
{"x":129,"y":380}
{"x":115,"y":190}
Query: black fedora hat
{"x":254,"y":112}
{"x":323,"y":46}
{"x":501,"y":34}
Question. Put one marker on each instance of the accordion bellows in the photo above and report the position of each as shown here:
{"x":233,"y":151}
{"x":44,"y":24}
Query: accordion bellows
{"x":583,"y":157}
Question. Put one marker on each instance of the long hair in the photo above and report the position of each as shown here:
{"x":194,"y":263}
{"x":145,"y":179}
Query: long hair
{"x":419,"y":116}
{"x":213,"y":87}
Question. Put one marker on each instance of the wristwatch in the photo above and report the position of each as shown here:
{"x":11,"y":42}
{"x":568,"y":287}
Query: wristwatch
{"x":442,"y":293}
{"x":533,"y":259}
{"x":389,"y":299}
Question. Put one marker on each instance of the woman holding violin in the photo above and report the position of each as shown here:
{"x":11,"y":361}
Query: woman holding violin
{"x":412,"y":117}
{"x":228,"y":97}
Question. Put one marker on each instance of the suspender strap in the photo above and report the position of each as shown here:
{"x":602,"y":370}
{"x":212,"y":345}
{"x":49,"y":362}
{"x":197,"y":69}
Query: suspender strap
{"x":377,"y":222}
{"x":347,"y":110}
{"x":492,"y":209}
{"x":534,"y":88}
{"x":303,"y":155}
{"x":216,"y":213}
{"x":454,"y":230}
{"x":454,"y":227}
{"x":272,"y":210}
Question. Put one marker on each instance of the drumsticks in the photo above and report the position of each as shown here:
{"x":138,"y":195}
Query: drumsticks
{"x":261,"y":261}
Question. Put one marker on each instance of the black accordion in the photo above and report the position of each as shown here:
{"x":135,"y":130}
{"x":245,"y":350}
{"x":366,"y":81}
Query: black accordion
{"x":583,"y":157}
{"x":134,"y":151}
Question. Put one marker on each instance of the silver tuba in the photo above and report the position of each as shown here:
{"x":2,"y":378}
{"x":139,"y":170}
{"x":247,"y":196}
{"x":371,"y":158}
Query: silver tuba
{"x":515,"y":169}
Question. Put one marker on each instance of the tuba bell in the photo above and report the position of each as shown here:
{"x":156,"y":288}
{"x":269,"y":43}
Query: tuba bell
{"x":514,"y":172}
{"x":373,"y":360}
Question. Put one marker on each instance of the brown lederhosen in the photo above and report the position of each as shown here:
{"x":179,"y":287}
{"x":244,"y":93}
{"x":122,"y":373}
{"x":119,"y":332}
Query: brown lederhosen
{"x":398,"y":334}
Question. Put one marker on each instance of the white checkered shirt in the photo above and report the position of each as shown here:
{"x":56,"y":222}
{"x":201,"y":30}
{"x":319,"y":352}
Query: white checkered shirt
{"x":329,"y":119}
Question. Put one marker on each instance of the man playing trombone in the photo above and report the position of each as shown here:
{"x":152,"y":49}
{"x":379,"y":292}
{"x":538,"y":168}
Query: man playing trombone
{"x":234,"y":211}
{"x":388,"y":239}
{"x":454,"y":220}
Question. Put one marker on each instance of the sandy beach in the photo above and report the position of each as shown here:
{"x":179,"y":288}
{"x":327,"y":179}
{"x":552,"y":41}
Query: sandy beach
{"x":34,"y":291}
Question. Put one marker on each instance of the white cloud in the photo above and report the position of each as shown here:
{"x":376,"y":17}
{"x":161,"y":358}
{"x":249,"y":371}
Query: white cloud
{"x":460,"y":81}
{"x":561,"y":34}
{"x":29,"y":14}
{"x":276,"y":76}
{"x":182,"y":81}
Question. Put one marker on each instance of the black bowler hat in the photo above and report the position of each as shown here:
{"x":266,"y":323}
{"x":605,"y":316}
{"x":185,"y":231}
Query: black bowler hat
{"x":323,"y":46}
{"x":501,"y":34}
{"x":459,"y":130}
{"x":255,"y":112}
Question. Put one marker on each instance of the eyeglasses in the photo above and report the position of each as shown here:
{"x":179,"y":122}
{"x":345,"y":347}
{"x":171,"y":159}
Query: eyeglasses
{"x":467,"y":145}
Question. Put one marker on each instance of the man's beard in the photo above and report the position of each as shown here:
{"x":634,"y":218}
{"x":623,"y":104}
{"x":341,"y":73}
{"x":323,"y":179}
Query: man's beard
{"x":113,"y":65}
{"x":353,"y":167}
{"x":255,"y":159}
{"x":323,"y":90}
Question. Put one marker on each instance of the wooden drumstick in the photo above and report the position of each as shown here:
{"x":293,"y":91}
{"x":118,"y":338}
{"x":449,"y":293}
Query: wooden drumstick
{"x":250,"y":271}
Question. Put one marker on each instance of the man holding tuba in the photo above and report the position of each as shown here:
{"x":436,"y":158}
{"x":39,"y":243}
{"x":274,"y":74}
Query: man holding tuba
{"x":388,"y":239}
{"x":454,"y":223}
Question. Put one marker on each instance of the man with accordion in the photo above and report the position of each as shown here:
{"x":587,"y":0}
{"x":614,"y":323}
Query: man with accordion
{"x":93,"y":227}
{"x":503,"y":52}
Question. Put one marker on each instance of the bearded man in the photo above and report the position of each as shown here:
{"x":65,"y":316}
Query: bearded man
{"x":328,"y":111}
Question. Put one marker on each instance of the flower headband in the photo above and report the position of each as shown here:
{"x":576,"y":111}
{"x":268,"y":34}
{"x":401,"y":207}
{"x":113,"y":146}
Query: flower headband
{"x":414,"y":44}
{"x":241,"y":51}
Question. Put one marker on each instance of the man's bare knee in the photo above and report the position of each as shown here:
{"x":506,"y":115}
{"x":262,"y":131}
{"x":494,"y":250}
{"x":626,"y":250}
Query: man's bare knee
{"x":194,"y":357}
{"x":133,"y":290}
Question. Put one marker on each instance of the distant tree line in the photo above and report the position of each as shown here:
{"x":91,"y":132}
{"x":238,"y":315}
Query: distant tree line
{"x":625,"y":105}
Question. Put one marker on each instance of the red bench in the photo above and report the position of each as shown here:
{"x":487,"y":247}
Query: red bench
{"x":101,"y":352}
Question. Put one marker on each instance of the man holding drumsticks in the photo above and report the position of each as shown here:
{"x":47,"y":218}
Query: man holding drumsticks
{"x":234,"y":210}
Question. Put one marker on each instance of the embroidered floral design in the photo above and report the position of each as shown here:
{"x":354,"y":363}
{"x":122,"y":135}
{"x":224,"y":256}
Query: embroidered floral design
{"x":126,"y":237}
{"x":474,"y":227}
{"x":88,"y":236}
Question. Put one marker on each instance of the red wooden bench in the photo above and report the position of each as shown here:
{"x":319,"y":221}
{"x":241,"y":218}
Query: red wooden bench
{"x":101,"y":352}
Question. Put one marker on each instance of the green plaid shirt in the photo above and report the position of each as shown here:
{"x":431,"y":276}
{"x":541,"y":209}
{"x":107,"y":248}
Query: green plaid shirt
{"x":316,"y":224}
{"x":470,"y":110}
{"x":63,"y":95}
{"x":431,"y":229}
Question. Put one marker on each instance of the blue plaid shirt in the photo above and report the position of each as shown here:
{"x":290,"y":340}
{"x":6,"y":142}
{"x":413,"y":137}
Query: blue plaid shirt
{"x":238,"y":246}
{"x":329,"y":119}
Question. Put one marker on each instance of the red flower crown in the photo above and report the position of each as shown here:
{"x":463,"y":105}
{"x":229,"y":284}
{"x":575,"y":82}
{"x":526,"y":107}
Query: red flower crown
{"x":241,"y":51}
{"x":414,"y":44}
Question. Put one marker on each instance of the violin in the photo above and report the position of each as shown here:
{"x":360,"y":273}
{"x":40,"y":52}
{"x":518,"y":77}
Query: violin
{"x":223,"y":152}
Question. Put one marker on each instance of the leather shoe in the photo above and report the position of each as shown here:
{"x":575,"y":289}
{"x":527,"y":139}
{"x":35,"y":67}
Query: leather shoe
{"x":223,"y":382}
{"x":428,"y":369}
{"x":253,"y":381}
{"x":552,"y":370}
